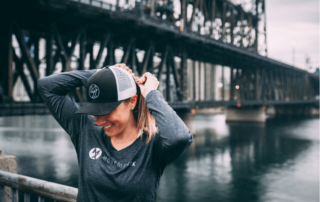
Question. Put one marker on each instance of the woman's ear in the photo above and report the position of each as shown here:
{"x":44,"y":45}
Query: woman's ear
{"x":133,"y":101}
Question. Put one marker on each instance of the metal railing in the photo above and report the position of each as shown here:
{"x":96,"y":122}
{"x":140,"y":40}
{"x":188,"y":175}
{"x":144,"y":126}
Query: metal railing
{"x":27,"y":185}
{"x":140,"y":7}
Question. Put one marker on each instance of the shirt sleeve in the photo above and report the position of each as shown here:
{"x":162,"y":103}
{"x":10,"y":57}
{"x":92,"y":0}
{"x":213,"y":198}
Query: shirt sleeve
{"x":53,"y":90}
{"x":173,"y":137}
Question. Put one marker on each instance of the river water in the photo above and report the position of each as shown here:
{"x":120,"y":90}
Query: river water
{"x":240,"y":162}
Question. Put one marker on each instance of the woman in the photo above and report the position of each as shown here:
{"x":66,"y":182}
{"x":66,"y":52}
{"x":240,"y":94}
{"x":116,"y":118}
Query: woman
{"x":114,"y":163}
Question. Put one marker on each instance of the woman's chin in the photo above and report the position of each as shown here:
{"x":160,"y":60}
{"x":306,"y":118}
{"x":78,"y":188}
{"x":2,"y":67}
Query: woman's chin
{"x":110,"y":133}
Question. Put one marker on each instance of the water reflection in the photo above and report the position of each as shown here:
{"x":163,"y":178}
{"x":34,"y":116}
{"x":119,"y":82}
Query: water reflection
{"x":275,"y":161}
{"x":247,"y":162}
{"x":42,"y":147}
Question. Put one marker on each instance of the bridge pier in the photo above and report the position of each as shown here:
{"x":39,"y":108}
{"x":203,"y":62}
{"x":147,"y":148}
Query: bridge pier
{"x":253,"y":114}
{"x":8,"y":164}
{"x":296,"y":110}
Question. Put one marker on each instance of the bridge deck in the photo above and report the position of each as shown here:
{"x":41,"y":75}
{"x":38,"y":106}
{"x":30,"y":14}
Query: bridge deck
{"x":126,"y":22}
{"x":258,"y":79}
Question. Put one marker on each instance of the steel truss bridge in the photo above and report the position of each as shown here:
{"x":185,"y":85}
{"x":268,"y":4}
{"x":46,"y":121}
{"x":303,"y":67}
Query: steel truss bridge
{"x":204,"y":52}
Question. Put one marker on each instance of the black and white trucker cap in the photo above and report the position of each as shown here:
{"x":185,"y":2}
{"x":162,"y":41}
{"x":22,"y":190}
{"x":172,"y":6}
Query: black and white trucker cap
{"x":106,"y":89}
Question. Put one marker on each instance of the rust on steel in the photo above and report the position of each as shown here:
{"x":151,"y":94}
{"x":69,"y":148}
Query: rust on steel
{"x":40,"y":187}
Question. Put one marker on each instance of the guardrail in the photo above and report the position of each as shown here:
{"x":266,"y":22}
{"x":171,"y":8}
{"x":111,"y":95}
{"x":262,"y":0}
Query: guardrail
{"x":43,"y":189}
{"x":142,"y":7}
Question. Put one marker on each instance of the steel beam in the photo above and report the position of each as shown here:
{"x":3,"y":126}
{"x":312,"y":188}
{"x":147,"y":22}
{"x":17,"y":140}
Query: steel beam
{"x":82,"y":51}
{"x":195,"y":6}
{"x":213,"y":15}
{"x":162,"y":63}
{"x":110,"y":59}
{"x":213,"y":82}
{"x":183,"y":18}
{"x":19,"y":69}
{"x":184,"y":73}
{"x":26,"y":56}
{"x":103,"y":44}
{"x":232,"y":86}
{"x":199,"y":79}
{"x":49,"y":52}
{"x":168,"y":97}
{"x":6,"y":76}
{"x":175,"y":74}
{"x":146,"y":60}
{"x":222,"y":81}
{"x":194,"y":79}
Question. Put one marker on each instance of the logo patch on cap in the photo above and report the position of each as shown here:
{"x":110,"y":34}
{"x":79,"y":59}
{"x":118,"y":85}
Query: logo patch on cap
{"x":94,"y":91}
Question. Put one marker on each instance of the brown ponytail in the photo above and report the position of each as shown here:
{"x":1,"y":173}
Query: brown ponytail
{"x":145,"y":121}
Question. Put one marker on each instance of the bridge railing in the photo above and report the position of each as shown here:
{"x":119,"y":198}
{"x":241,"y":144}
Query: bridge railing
{"x":98,"y":3}
{"x":233,"y":25}
{"x":42,"y":189}
{"x":160,"y":10}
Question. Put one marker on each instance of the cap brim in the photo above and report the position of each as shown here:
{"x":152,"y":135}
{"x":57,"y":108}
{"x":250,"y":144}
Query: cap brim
{"x":98,"y":109}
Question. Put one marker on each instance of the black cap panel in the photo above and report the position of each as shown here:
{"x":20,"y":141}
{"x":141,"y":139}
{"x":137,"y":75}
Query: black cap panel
{"x":98,"y":109}
{"x":101,"y":88}
{"x":102,"y":91}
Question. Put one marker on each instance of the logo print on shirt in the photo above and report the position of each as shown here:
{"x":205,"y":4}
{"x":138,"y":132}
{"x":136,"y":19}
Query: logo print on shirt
{"x":118,"y":164}
{"x":94,"y":91}
{"x":95,"y":153}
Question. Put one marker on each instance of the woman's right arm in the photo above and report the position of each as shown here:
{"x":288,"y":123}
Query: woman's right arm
{"x":53,"y":90}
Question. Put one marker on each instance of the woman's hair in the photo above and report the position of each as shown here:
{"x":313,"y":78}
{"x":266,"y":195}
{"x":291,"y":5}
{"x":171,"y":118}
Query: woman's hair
{"x":145,"y":121}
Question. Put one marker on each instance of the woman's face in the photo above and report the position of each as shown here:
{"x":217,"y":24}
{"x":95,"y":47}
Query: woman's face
{"x":117,"y":122}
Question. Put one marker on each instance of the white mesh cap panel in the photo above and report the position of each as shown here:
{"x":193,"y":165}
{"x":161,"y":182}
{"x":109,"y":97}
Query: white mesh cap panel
{"x":126,"y":86}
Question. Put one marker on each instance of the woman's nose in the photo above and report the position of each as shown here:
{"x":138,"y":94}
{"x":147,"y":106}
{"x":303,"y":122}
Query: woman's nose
{"x":100,"y":120}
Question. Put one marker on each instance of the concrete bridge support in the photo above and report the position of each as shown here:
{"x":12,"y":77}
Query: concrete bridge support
{"x":9,"y":164}
{"x":254,"y":114}
{"x":302,"y":110}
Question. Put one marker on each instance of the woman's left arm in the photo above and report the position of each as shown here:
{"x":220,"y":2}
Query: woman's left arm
{"x":174,"y":136}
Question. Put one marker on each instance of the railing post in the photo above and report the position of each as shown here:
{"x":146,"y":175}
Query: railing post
{"x":152,"y":8}
{"x":13,"y":195}
{"x":9,"y":164}
{"x":117,"y":5}
{"x":168,"y":77}
{"x":141,"y":5}
{"x":222,"y":81}
{"x":184,"y":74}
{"x":1,"y":193}
{"x":40,"y":199}
{"x":183,"y":20}
{"x":232,"y":87}
{"x":26,"y":197}
{"x":194,"y":78}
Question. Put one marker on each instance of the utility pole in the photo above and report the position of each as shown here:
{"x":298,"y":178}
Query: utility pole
{"x":293,"y":56}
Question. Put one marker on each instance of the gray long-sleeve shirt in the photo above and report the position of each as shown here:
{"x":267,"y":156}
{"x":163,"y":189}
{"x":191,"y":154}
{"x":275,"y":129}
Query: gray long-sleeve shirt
{"x":131,"y":174}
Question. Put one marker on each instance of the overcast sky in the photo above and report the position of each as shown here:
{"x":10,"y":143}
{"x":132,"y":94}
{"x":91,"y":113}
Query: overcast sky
{"x":293,"y":24}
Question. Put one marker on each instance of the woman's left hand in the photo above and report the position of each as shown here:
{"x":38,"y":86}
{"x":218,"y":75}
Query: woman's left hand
{"x":147,"y":83}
